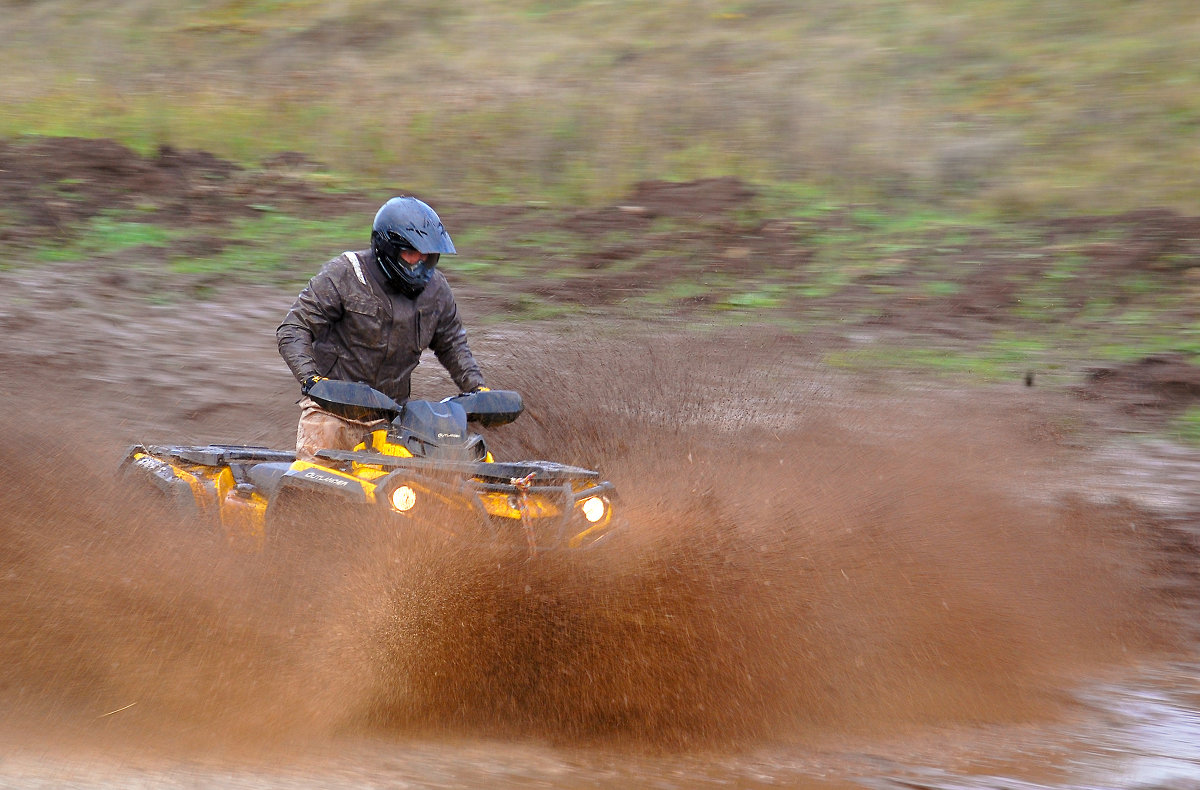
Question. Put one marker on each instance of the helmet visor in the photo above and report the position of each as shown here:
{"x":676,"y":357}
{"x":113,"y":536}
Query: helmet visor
{"x":426,"y":240}
{"x":434,"y":241}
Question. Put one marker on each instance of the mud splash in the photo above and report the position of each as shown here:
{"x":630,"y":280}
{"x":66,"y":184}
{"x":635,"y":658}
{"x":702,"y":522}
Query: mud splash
{"x":788,"y":569}
{"x":795,"y":564}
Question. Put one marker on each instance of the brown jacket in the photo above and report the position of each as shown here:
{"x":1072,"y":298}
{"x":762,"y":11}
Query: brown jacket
{"x":346,"y":324}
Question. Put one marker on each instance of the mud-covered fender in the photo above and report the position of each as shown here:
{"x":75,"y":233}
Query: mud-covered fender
{"x":327,"y":482}
{"x":182,"y":489}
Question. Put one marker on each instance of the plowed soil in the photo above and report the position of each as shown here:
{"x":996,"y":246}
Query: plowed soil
{"x":822,"y":564}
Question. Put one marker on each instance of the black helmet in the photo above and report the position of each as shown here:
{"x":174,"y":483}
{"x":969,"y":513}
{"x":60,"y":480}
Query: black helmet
{"x":405,"y":223}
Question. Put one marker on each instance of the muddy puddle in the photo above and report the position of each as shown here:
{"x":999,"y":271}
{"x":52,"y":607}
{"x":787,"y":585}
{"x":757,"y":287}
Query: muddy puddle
{"x":1146,"y":732}
{"x":832,"y":583}
{"x":1141,"y":731}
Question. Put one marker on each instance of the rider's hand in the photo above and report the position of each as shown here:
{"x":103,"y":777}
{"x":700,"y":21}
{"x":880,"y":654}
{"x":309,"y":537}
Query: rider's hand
{"x":480,"y":388}
{"x":309,"y":382}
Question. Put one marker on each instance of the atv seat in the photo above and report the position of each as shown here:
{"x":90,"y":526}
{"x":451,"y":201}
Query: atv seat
{"x":266,"y":477}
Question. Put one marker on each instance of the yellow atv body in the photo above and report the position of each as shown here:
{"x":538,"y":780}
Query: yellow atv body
{"x":422,"y":472}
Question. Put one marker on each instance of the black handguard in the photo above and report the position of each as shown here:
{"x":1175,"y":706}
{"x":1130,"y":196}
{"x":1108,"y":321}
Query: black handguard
{"x":490,"y":407}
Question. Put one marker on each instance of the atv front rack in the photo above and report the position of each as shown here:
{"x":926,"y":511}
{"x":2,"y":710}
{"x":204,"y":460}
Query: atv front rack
{"x":216,"y":454}
{"x":490,"y":470}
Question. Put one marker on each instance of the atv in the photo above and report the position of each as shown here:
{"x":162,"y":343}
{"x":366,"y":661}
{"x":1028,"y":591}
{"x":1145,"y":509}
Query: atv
{"x":420,"y":472}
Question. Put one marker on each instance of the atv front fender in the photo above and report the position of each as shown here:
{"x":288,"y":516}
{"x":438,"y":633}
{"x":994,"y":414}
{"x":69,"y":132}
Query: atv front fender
{"x":183,"y":492}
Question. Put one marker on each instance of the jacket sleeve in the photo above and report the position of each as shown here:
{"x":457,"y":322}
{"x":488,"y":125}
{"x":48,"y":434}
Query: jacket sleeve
{"x":449,"y":344}
{"x":317,"y":307}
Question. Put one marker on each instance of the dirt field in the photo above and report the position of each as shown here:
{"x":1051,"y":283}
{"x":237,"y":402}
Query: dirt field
{"x":833,"y":577}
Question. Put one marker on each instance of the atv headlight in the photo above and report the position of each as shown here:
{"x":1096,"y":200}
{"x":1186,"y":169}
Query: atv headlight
{"x":403,"y":498}
{"x":593,"y":508}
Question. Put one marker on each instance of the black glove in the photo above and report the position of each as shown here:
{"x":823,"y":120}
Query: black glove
{"x":473,"y":390}
{"x":308,"y":383}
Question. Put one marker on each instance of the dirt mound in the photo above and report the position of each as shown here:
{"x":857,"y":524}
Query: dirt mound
{"x":1160,"y":385}
{"x":1155,"y":239}
{"x":715,"y":258}
{"x":703,"y":199}
{"x":56,"y":184}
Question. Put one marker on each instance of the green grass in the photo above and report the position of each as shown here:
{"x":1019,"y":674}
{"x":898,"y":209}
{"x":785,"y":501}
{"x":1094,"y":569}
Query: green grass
{"x":1187,"y":426}
{"x":765,"y":298}
{"x":1052,"y":355}
{"x":109,"y":233}
{"x":274,"y":245}
{"x":942,"y":288}
{"x":1008,"y":357}
{"x":679,"y":291}
{"x":1006,"y":108}
{"x":978,"y":367}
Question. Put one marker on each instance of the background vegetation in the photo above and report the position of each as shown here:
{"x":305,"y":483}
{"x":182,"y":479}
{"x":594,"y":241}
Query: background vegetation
{"x":1009,"y":107}
{"x":981,"y":189}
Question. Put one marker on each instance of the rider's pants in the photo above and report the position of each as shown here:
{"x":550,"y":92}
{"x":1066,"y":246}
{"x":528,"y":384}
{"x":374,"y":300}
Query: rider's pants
{"x":322,"y":430}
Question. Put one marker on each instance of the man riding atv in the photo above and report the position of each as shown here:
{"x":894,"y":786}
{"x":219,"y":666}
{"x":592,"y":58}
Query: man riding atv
{"x":367,"y":456}
{"x":368,"y":315}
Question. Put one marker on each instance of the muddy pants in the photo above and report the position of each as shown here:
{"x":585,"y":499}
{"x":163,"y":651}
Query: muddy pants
{"x":322,"y":430}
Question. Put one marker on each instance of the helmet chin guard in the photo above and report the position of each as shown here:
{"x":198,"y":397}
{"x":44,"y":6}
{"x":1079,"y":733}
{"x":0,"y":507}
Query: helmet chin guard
{"x":408,"y":280}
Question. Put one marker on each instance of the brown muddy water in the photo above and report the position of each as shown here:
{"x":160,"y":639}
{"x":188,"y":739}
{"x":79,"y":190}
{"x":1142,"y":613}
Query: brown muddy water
{"x":825,"y":583}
